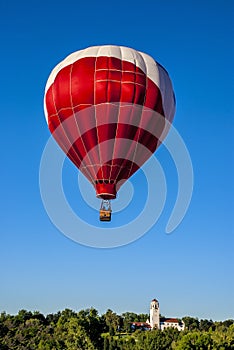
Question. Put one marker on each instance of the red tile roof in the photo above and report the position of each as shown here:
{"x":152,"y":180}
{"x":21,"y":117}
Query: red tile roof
{"x":141,"y":324}
{"x":169,"y":320}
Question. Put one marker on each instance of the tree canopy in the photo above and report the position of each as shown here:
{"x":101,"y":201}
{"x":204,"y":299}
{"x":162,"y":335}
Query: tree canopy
{"x":87,"y":330}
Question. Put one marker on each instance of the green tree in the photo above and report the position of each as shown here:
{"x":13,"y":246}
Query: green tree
{"x":205,"y":325}
{"x":112,"y":321}
{"x":53,"y":318}
{"x":22,"y":316}
{"x":3,"y":346}
{"x":93,"y":325}
{"x":228,"y":323}
{"x":76,"y":338}
{"x":195,"y":341}
{"x":156,"y":339}
{"x":106,"y":343}
{"x":191,"y":323}
{"x":128,"y":318}
{"x":223,"y":338}
{"x":142,"y":317}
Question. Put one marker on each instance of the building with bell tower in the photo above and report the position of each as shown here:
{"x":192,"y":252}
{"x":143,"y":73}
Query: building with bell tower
{"x":156,"y":322}
{"x":154,"y":314}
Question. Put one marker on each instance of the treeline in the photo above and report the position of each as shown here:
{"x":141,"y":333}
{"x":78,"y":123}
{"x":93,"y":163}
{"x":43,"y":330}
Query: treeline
{"x":87,"y":330}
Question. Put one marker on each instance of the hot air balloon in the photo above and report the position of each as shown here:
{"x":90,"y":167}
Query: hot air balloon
{"x":108,"y":108}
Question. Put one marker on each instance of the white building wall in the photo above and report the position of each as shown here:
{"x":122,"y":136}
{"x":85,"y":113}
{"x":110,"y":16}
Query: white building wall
{"x":177,"y":325}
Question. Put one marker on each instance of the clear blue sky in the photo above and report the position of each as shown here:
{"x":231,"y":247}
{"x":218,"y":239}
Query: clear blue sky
{"x":190,"y":271}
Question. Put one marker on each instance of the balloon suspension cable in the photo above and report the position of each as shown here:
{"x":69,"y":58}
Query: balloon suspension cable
{"x":105,"y":210}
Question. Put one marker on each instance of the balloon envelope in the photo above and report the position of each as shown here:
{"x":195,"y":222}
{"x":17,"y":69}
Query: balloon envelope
{"x":109,"y":108}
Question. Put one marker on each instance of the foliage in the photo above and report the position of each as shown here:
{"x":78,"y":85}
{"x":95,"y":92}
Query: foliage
{"x":87,"y":330}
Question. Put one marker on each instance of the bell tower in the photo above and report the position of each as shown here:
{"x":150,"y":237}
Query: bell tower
{"x":154,"y":314}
